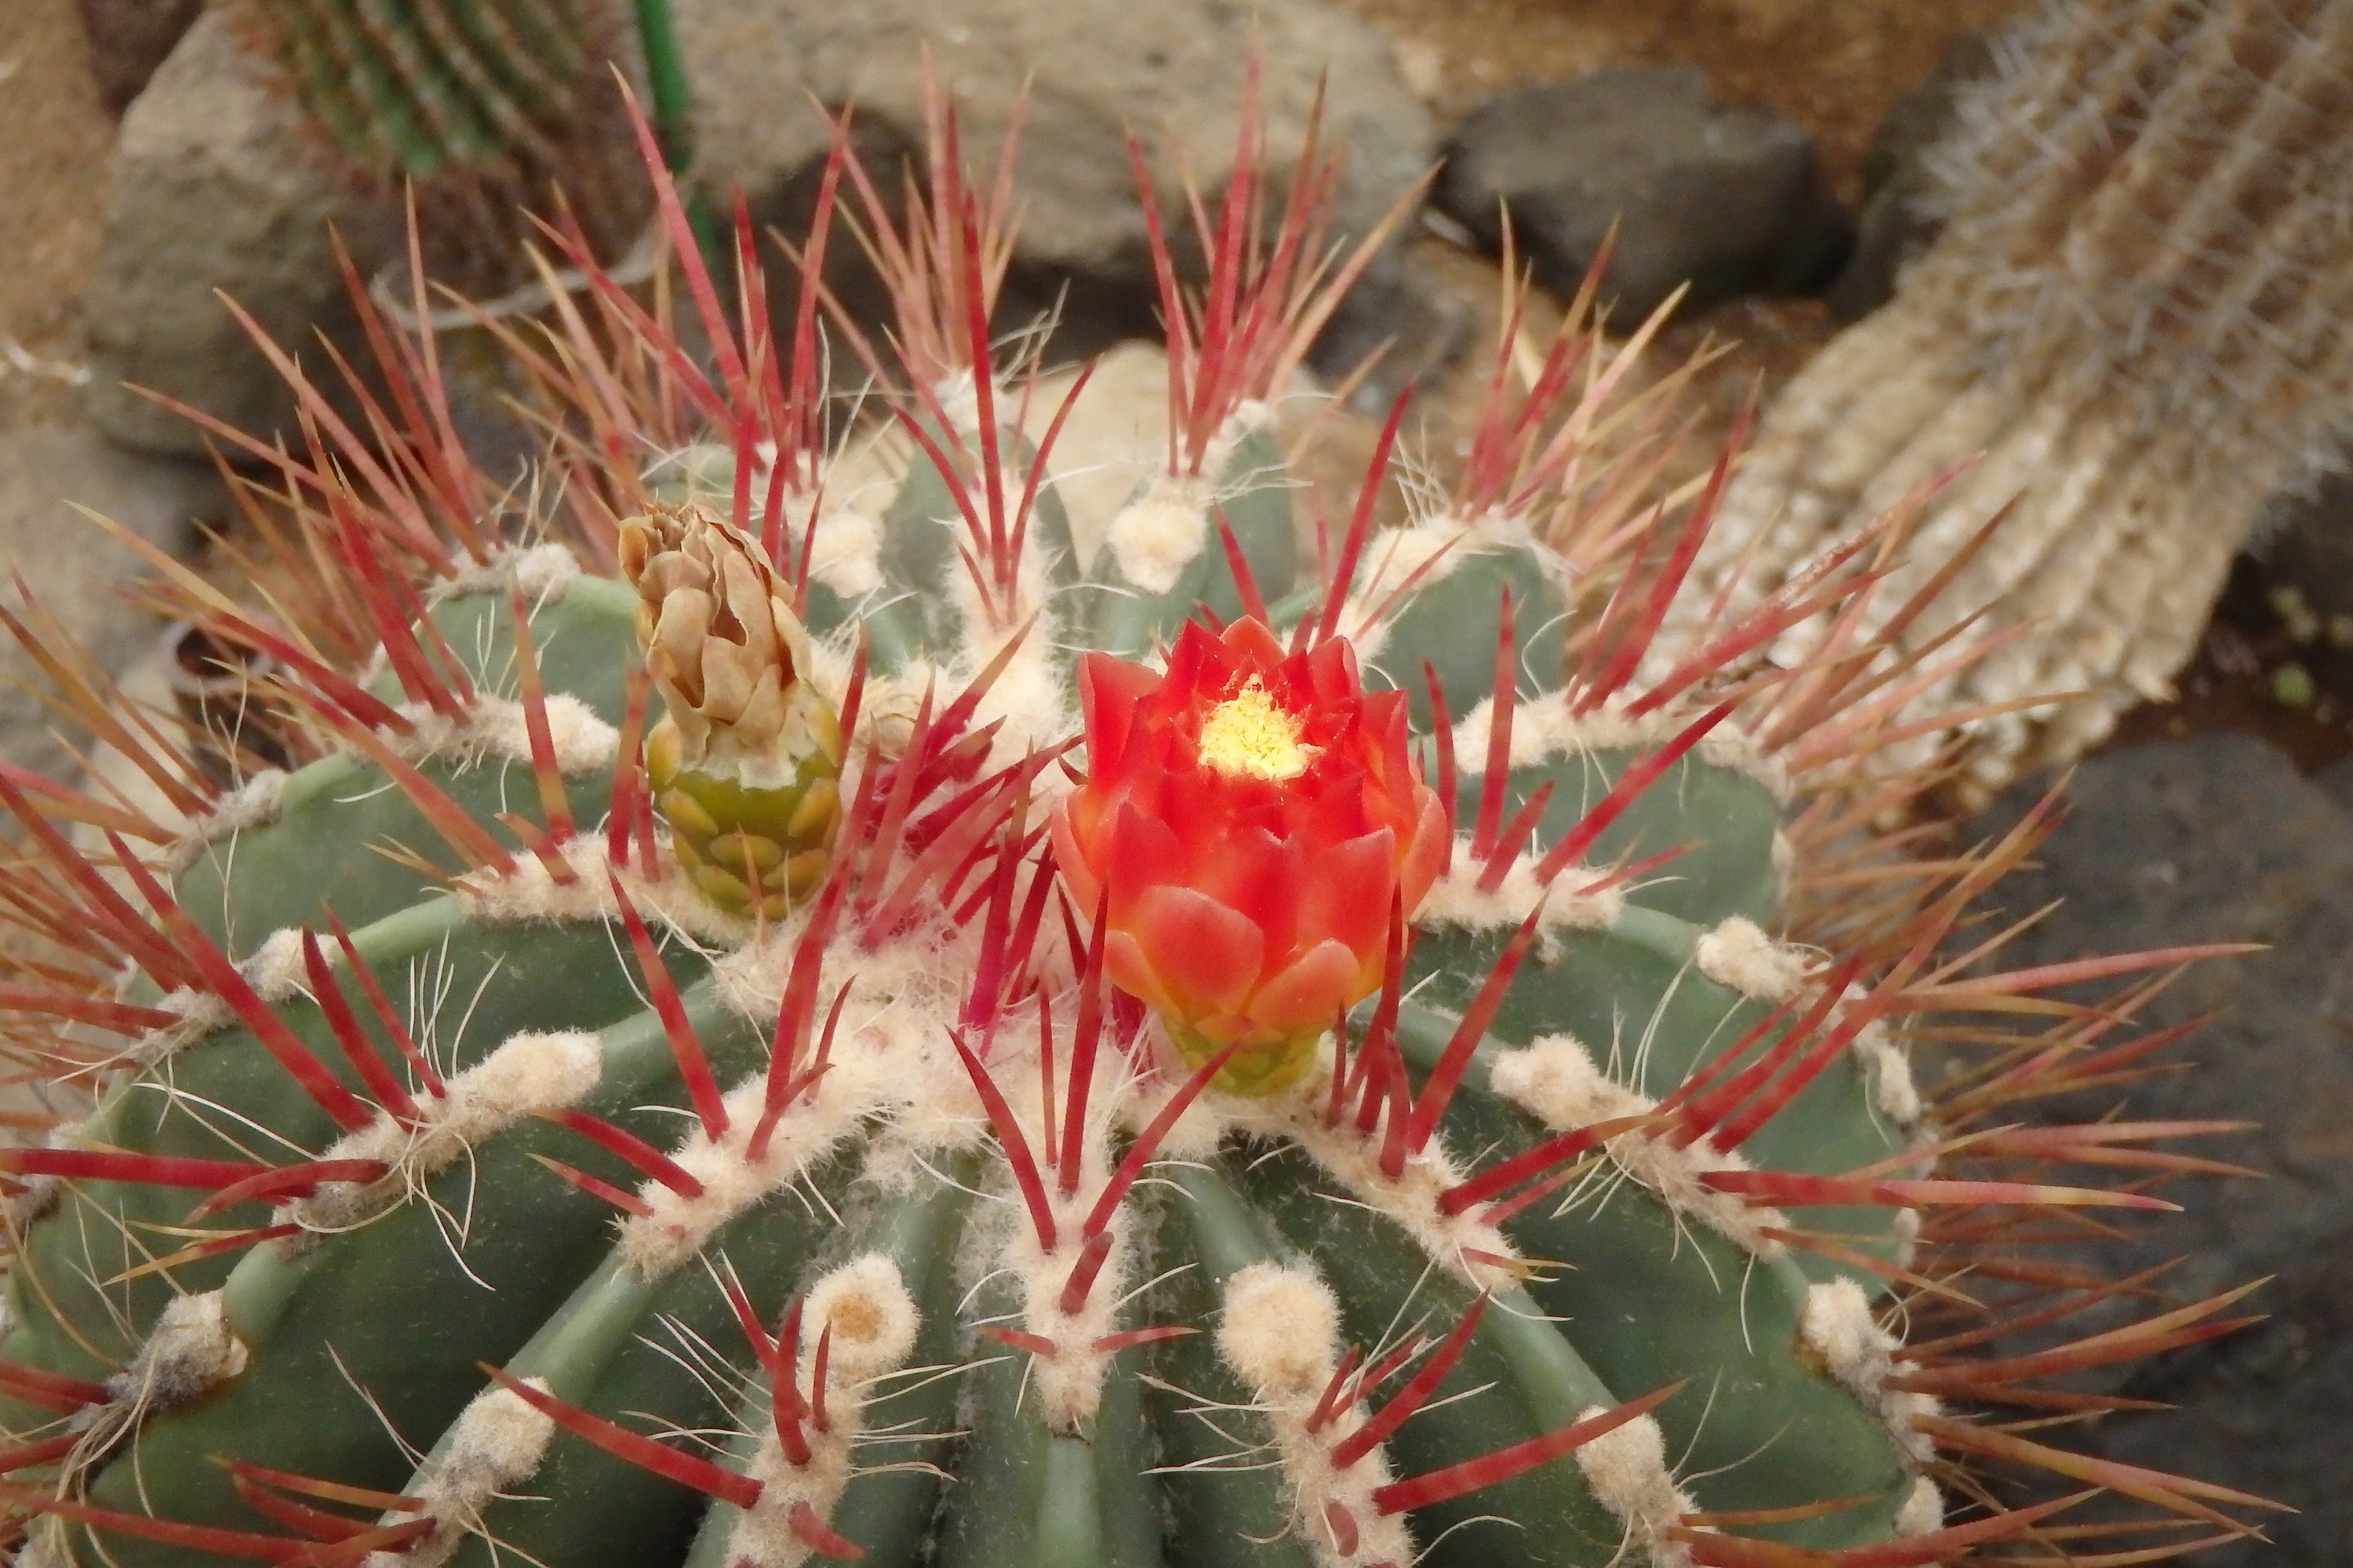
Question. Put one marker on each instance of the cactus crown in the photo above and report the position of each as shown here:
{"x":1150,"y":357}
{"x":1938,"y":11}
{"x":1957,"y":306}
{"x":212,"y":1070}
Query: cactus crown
{"x":912,"y":1025}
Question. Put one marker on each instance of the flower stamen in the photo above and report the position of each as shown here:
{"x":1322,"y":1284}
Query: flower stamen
{"x":1249,"y":735}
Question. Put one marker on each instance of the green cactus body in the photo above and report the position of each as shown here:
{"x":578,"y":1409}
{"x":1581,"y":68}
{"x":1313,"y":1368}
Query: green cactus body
{"x":586,"y":1222}
{"x":484,"y":105}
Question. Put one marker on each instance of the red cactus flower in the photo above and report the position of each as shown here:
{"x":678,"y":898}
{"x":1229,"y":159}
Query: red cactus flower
{"x":1247,"y":820}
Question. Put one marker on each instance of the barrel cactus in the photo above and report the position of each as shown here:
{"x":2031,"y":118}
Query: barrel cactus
{"x":803,"y":1002}
{"x":478,"y":112}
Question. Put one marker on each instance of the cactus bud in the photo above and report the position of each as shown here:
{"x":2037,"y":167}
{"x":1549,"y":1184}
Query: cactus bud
{"x":745,"y":760}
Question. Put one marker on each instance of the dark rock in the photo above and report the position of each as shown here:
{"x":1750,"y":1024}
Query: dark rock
{"x":1729,"y":199}
{"x":1897,"y":221}
{"x":2304,"y":561}
{"x":2216,"y":838}
{"x":1401,"y":319}
{"x":127,"y":39}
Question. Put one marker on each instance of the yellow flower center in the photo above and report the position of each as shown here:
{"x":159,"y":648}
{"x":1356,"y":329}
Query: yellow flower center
{"x":1248,"y":736}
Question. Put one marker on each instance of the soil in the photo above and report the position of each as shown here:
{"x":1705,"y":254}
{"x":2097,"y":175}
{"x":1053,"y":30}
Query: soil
{"x":1835,"y":66}
{"x":54,"y":139}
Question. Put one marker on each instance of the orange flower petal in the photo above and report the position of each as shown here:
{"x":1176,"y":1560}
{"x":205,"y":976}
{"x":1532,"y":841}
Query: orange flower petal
{"x":1314,"y":991}
{"x":1347,"y":896}
{"x":1131,"y":971}
{"x":1206,"y":953}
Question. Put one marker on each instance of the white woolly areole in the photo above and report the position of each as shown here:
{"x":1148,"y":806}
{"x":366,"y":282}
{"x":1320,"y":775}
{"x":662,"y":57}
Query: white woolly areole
{"x":1067,"y":1383}
{"x":531,"y":1072}
{"x":496,"y":729}
{"x":1168,"y":525}
{"x":528,"y":891}
{"x":1163,"y":531}
{"x":200,"y":1014}
{"x":1923,"y":1512}
{"x":846,"y":552}
{"x":1543,"y":727}
{"x":496,"y":1443}
{"x":873,"y":1321}
{"x":1032,"y":699}
{"x":872,"y":1317}
{"x":1457,"y":899}
{"x":1888,"y":1071}
{"x":1738,"y":954}
{"x":1280,"y":1332}
{"x":1418,"y":555}
{"x":678,"y":1228}
{"x":275,"y":969}
{"x":1627,"y":1469}
{"x":190,"y":1349}
{"x":1838,"y":1332}
{"x":254,"y":802}
{"x":536,"y":572}
{"x":1462,"y":1244}
{"x":1554,"y":1079}
{"x":905,"y":996}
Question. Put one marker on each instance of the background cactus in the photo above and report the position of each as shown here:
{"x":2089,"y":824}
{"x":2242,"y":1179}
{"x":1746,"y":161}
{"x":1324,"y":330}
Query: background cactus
{"x":484,"y":109}
{"x":467,"y":1183}
{"x":2125,"y":335}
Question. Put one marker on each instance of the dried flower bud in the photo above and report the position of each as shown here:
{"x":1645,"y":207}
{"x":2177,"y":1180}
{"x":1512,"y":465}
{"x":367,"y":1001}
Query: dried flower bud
{"x":744,"y":762}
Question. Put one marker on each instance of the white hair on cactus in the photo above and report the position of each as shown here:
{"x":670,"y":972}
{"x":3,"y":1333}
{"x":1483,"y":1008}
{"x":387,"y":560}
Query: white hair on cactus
{"x":1738,"y":954}
{"x":1838,"y":1332}
{"x":873,"y":1323}
{"x":1160,"y":532}
{"x":528,"y":891}
{"x":254,"y":802}
{"x":1279,"y":1331}
{"x":846,"y":552}
{"x":275,"y":969}
{"x":857,"y":1085}
{"x":1457,"y":899}
{"x":1923,"y":1512}
{"x":534,"y":570}
{"x":1554,"y":1079}
{"x":1423,"y":553}
{"x":873,"y":1318}
{"x":1888,"y":1071}
{"x":199,"y":1013}
{"x":498,"y":729}
{"x":1627,"y":1469}
{"x":1068,"y":1383}
{"x":530,"y":1072}
{"x":1545,"y":727}
{"x":190,"y":1349}
{"x":1462,"y":1245}
{"x":497,"y":1443}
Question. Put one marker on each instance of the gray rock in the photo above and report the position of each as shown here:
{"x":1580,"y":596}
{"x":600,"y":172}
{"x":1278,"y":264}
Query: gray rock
{"x":1094,"y":69}
{"x":1727,"y":198}
{"x":73,"y":566}
{"x":214,"y":192}
{"x":1898,"y":221}
{"x":2216,"y":838}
